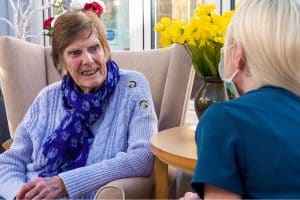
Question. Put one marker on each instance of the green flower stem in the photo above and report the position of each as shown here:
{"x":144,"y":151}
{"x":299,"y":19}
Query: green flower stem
{"x":205,"y":58}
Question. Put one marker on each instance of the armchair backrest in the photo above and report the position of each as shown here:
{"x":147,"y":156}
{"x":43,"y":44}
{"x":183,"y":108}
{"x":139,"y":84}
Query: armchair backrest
{"x":26,"y":68}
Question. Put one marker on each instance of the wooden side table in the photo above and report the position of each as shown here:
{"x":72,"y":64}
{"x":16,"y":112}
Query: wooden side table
{"x":175,"y":147}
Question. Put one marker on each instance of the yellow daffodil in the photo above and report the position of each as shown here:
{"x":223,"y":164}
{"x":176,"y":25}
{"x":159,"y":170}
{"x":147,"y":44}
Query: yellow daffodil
{"x":204,"y":9}
{"x":165,"y":21}
{"x":159,"y":27}
{"x":203,"y":36}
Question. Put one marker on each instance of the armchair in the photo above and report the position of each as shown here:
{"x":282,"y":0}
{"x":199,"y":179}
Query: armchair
{"x":26,"y":68}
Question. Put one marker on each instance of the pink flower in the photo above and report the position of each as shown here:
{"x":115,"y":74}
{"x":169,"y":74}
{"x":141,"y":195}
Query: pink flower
{"x":47,"y":22}
{"x":94,"y":7}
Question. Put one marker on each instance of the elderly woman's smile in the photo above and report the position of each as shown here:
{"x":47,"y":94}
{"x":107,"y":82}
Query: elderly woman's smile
{"x":84,"y":61}
{"x":90,"y":72}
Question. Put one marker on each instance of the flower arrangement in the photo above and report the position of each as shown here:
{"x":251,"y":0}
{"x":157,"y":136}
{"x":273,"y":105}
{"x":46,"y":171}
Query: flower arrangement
{"x":203,"y":37}
{"x":96,"y":6}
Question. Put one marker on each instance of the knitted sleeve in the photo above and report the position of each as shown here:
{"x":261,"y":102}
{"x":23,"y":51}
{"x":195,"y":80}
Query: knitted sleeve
{"x":13,"y":161}
{"x":136,"y":161}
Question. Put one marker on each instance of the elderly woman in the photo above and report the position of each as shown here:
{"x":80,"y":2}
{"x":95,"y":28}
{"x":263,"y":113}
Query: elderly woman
{"x":249,"y":147}
{"x":91,"y":128}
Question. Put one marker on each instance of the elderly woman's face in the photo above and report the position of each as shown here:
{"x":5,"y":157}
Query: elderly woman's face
{"x":84,"y":60}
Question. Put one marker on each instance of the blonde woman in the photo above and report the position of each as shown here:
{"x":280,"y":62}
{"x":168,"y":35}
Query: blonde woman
{"x":249,"y":147}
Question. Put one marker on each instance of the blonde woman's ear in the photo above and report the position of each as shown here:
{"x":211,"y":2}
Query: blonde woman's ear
{"x":240,"y":57}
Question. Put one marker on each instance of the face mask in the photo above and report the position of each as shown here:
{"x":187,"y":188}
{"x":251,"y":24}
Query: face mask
{"x":230,"y":89}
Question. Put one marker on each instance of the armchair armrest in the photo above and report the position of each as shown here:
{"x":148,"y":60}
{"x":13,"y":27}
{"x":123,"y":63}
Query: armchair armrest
{"x":110,"y":192}
{"x":127,"y":188}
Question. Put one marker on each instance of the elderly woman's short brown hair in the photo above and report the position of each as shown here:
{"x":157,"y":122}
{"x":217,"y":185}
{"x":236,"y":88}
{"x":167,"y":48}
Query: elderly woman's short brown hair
{"x":72,"y":25}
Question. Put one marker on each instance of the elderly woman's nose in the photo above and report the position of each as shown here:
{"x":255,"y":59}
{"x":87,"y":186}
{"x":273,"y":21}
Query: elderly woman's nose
{"x":87,"y":58}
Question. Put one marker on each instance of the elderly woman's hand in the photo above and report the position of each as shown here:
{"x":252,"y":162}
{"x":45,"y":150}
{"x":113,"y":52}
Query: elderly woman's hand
{"x":43,"y":188}
{"x":190,"y":196}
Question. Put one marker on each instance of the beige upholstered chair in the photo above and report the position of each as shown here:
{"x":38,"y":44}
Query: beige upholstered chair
{"x":26,"y":68}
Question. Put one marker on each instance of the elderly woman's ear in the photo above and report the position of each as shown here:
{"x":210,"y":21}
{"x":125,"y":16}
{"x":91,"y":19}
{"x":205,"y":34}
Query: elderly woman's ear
{"x":64,"y":71}
{"x":61,"y":70}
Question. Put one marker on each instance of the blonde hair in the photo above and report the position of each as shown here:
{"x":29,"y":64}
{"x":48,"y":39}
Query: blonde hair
{"x":269,"y":31}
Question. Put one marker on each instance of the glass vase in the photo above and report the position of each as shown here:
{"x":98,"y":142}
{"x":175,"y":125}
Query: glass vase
{"x":210,"y":92}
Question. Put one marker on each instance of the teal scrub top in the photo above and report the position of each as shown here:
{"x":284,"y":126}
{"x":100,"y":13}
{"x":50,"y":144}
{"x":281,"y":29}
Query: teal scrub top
{"x":251,"y":145}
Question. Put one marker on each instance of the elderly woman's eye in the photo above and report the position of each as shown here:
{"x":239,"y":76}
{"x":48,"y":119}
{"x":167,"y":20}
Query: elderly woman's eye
{"x":75,"y":53}
{"x":94,"y":49}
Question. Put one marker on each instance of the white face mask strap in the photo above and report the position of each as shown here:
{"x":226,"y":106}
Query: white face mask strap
{"x":233,"y":75}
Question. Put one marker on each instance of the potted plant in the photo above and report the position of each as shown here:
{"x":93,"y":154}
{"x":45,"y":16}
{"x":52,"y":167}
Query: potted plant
{"x":203,"y":37}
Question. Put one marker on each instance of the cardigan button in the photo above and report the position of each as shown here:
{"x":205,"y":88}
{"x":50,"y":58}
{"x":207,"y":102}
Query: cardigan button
{"x":143,"y":104}
{"x":131,"y":84}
